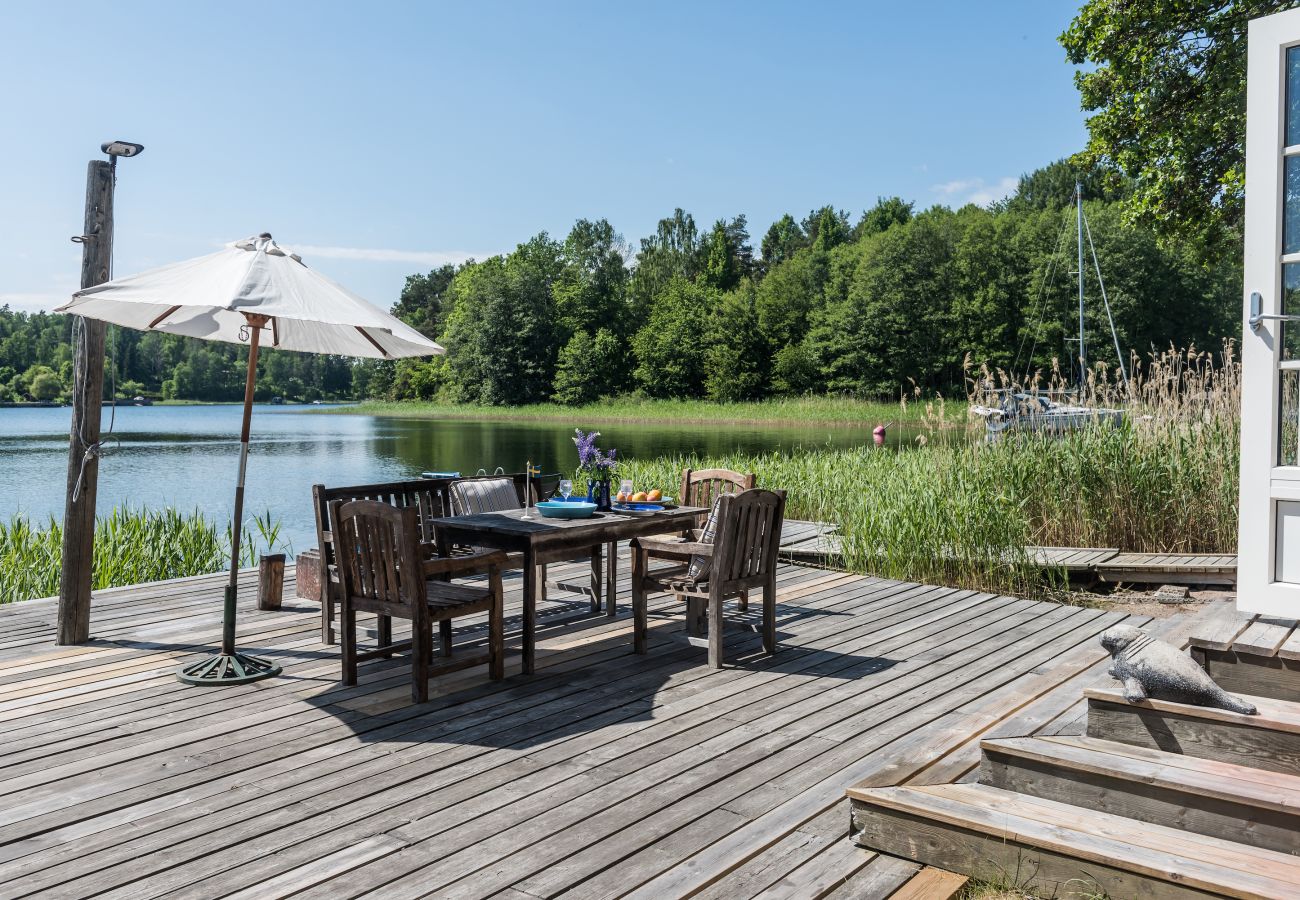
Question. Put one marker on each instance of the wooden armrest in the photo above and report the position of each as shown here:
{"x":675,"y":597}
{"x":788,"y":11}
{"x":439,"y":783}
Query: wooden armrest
{"x":694,"y":547}
{"x":471,"y":562}
{"x":674,"y":546}
{"x":659,"y":542}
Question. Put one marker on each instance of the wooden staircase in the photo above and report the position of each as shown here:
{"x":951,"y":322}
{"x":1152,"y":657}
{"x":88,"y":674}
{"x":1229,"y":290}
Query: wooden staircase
{"x":1156,"y":800}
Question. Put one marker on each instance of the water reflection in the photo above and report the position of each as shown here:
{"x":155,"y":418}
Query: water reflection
{"x":186,"y":456}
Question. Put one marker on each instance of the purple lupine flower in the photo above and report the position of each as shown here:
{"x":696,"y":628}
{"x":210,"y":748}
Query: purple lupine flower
{"x":590,"y":457}
{"x":588,"y":454}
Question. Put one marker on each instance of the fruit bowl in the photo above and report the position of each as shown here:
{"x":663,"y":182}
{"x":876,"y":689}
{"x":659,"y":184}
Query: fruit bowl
{"x":661,"y":501}
{"x":561,"y":509}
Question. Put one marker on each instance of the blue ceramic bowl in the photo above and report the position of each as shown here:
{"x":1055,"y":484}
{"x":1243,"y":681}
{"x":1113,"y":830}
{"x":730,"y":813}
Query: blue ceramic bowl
{"x":559,"y":509}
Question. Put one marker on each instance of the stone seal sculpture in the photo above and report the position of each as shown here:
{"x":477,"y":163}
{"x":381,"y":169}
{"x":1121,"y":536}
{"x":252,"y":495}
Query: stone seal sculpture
{"x":1151,"y":668}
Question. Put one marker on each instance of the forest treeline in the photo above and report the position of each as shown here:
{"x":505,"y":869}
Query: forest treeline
{"x":868,"y":305}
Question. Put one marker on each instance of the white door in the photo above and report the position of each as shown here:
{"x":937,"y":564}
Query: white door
{"x":1268,"y":571}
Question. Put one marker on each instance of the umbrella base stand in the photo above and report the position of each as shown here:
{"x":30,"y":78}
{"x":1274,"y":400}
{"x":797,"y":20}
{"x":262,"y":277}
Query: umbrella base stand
{"x":220,"y":669}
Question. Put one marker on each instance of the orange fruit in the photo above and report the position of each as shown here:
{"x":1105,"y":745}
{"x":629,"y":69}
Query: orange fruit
{"x":656,"y":494}
{"x":639,"y":497}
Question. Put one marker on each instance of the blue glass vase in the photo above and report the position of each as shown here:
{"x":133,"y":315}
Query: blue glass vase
{"x":598,"y":493}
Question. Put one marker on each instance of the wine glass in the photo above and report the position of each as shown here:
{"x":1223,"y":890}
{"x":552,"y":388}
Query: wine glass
{"x":625,"y":489}
{"x":566,"y":489}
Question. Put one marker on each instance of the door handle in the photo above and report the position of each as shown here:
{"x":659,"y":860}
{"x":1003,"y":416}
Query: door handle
{"x":1258,"y":317}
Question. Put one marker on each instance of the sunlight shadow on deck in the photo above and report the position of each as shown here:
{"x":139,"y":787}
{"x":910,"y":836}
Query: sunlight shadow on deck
{"x":570,"y":695}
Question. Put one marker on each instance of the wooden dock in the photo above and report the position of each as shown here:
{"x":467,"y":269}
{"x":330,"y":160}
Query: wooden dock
{"x":817,"y":542}
{"x":1116,"y":566}
{"x":604,"y":775}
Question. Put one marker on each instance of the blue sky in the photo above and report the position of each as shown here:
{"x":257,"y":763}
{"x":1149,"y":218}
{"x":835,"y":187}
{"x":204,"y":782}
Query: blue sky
{"x":383,"y":138}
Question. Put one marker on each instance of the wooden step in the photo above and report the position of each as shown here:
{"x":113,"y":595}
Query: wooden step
{"x":931,"y":884}
{"x":1236,"y":803}
{"x":1245,"y":672}
{"x":1269,"y":740}
{"x":1056,"y":849}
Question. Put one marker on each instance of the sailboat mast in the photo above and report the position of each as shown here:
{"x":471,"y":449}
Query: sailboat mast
{"x":1083,"y":350}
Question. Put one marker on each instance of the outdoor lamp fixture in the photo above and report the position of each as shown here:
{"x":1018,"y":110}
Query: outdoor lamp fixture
{"x":122,"y":148}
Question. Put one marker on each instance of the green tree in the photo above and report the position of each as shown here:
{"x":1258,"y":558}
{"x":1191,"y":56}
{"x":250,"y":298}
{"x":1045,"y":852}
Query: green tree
{"x":796,"y":370}
{"x":672,"y":252}
{"x":590,"y":291}
{"x":500,"y":334}
{"x":787,"y":297}
{"x":43,"y":384}
{"x":1166,"y":86}
{"x":590,"y":367}
{"x":421,"y":302}
{"x":1053,"y":187}
{"x":737,"y":358}
{"x":891,"y":329}
{"x":989,"y":287}
{"x":672,"y":349}
{"x":727,"y":254}
{"x":783,"y":238}
{"x":827,"y":228}
{"x":888,"y":212}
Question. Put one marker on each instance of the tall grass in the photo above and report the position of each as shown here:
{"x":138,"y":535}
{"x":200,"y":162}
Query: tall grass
{"x":826,"y":410}
{"x":961,"y":514}
{"x":131,"y":546}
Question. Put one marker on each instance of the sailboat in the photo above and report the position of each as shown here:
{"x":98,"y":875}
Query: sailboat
{"x":1019,"y":410}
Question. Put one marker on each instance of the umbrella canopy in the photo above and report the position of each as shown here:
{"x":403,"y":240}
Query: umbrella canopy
{"x":251,"y":291}
{"x":210,"y":296}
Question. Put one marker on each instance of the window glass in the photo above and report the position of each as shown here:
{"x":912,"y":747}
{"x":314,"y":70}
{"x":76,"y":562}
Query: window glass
{"x":1293,"y":96}
{"x":1288,"y":419}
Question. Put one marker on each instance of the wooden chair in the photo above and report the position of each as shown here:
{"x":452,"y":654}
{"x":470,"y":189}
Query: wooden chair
{"x":701,"y":487}
{"x":384,"y":570}
{"x":741,"y":556}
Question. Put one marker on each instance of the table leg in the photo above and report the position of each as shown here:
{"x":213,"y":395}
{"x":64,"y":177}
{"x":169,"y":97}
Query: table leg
{"x":530,"y":610}
{"x":597,"y":575}
{"x":611,"y":583}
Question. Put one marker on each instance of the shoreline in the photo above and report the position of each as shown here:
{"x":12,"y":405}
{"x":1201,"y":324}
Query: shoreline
{"x":820,"y":412}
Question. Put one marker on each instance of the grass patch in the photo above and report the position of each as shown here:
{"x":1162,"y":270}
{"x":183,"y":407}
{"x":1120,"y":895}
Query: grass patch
{"x":131,"y":546}
{"x":832,"y":411}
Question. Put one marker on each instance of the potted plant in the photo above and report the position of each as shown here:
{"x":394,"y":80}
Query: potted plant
{"x":596,"y":465}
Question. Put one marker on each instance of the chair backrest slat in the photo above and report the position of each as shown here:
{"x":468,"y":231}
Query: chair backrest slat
{"x":701,"y":487}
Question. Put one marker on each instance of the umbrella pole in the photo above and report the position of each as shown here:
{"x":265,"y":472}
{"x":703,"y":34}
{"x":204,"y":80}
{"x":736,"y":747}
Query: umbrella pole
{"x":229,"y":666}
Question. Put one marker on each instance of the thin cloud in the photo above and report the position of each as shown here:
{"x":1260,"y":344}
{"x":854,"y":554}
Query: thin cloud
{"x":378,"y":254}
{"x":22,"y":302}
{"x":976,"y":190}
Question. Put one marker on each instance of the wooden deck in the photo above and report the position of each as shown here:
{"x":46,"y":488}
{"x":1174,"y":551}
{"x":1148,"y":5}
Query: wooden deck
{"x":604,"y":775}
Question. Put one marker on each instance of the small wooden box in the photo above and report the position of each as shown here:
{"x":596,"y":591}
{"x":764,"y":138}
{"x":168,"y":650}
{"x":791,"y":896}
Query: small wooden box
{"x":308,"y":575}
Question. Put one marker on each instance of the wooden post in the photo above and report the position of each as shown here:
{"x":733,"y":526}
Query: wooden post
{"x":270,"y":581}
{"x":88,"y":368}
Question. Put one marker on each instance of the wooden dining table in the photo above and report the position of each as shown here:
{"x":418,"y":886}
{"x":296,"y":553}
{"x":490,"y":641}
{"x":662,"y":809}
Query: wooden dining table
{"x":540,"y":539}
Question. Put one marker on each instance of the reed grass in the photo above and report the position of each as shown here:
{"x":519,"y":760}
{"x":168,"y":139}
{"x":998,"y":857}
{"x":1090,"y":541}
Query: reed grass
{"x":824,"y":410}
{"x":131,"y":546}
{"x":962,"y":513}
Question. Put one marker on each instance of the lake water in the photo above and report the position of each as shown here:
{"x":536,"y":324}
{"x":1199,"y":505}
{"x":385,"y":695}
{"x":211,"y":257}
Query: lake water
{"x":187,"y":456}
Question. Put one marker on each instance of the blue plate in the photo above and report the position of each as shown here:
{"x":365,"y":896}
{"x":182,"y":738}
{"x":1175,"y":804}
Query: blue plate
{"x":559,"y":509}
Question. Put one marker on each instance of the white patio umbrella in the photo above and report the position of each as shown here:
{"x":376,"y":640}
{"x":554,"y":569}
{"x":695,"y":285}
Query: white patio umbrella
{"x":236,"y":295}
